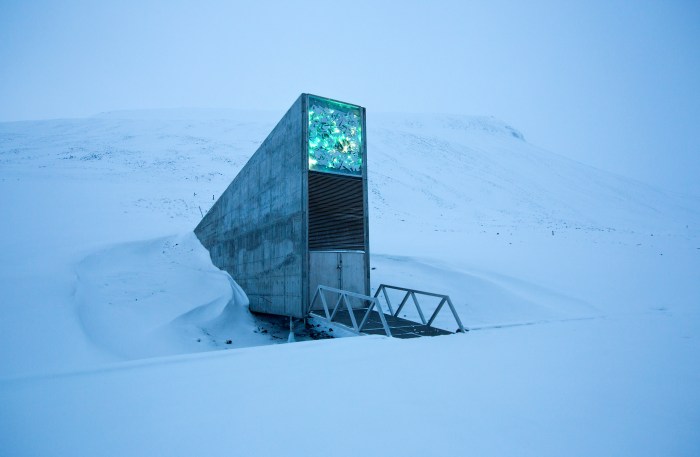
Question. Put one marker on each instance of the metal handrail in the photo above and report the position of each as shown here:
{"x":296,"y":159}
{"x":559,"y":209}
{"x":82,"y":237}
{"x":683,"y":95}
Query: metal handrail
{"x":344,"y":298}
{"x":412,"y":294}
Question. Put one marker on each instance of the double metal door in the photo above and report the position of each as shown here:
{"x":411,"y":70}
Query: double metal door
{"x":339,"y":269}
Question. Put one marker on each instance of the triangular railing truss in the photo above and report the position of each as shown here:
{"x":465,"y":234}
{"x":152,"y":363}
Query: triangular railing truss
{"x":411,"y":293}
{"x":344,"y":299}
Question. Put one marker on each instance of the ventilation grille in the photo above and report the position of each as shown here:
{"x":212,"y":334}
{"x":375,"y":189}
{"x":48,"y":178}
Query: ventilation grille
{"x":336,"y":212}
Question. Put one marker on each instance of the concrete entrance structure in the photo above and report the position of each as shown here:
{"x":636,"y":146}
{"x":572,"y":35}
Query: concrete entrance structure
{"x":295,"y":216}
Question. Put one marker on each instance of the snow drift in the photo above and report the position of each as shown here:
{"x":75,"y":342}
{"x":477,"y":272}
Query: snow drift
{"x":526,"y":242}
{"x":161,"y":297}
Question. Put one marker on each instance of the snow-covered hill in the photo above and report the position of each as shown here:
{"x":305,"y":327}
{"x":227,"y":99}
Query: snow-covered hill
{"x":99,"y":267}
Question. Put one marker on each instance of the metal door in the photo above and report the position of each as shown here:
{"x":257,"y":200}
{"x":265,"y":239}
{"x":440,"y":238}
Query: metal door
{"x":339,"y":269}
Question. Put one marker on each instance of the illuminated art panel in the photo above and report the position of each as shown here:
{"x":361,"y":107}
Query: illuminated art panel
{"x":335,"y":137}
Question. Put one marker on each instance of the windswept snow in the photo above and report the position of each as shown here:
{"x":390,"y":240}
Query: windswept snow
{"x":161,"y":297}
{"x":582,"y":288}
{"x":484,"y":299}
{"x":580,"y":388}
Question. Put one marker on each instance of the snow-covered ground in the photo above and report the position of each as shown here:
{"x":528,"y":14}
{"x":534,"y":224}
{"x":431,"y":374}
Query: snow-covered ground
{"x":582,"y":289}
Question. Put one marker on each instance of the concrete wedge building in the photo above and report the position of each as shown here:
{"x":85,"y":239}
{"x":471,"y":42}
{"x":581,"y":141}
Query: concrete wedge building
{"x":295,"y":216}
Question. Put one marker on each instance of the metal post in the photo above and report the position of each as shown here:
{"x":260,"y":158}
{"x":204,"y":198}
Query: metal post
{"x":403,"y":302}
{"x":325,"y":305}
{"x":364,"y":319}
{"x":454,"y":313}
{"x":420,"y":311}
{"x":386,"y":297}
{"x":383,"y":319}
{"x":352,"y":314}
{"x":437,"y":310}
{"x":337,"y":306}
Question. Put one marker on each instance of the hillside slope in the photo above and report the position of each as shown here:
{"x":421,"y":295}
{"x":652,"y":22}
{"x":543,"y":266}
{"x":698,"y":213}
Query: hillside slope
{"x":581,"y":287}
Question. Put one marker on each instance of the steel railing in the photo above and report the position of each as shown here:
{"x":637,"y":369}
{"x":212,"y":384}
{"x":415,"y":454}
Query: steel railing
{"x":344,"y":298}
{"x":411,"y":293}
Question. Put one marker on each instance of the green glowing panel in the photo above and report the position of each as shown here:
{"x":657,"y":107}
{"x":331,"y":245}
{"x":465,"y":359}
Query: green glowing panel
{"x":335,"y":137}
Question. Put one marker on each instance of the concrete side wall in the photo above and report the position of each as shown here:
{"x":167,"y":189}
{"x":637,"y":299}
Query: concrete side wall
{"x":256,"y":230}
{"x":365,"y":190}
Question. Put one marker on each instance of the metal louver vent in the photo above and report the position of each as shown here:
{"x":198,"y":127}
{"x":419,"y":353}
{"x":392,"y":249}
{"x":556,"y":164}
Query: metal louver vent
{"x":336,"y":212}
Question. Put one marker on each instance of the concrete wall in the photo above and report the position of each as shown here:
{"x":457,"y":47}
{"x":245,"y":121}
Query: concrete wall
{"x":256,"y":231}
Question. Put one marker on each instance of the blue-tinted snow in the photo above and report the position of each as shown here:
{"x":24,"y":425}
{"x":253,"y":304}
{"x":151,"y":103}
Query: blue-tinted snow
{"x":584,"y":286}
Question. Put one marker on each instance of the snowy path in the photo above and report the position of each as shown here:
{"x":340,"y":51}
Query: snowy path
{"x":600,"y":387}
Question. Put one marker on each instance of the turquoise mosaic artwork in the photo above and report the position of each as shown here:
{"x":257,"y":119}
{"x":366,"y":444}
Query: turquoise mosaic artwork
{"x":335,"y":137}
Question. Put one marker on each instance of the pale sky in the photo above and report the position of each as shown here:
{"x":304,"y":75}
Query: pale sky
{"x":614,"y":84}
